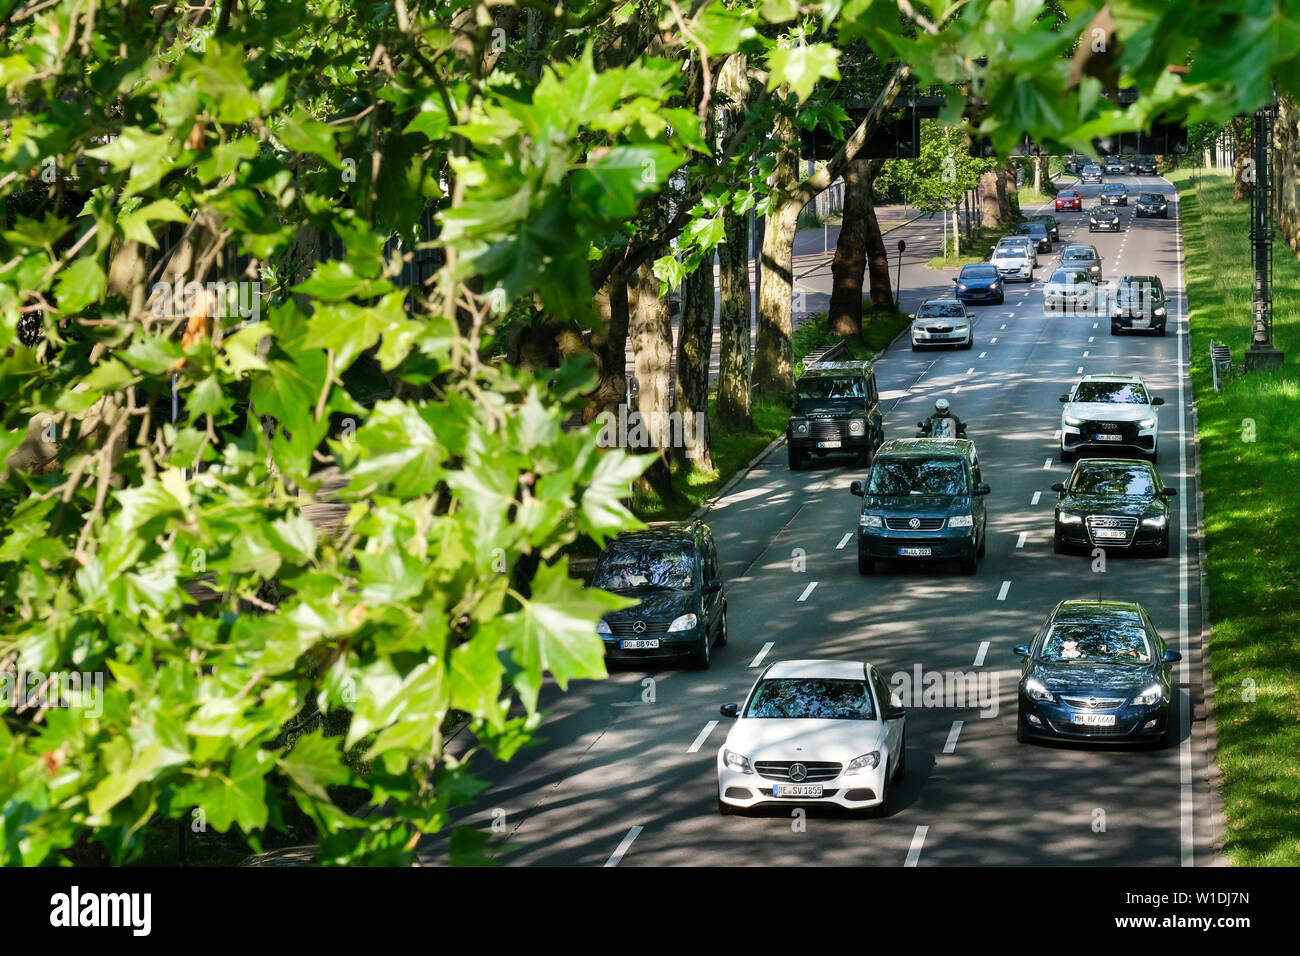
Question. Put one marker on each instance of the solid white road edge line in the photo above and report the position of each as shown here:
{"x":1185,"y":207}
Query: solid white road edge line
{"x":1187,"y":837}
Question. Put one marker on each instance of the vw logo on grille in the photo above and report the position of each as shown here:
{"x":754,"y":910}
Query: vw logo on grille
{"x":639,"y":627}
{"x":914,"y":523}
{"x":798,"y":772}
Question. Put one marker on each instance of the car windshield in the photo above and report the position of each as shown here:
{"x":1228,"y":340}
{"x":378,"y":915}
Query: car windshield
{"x":820,"y":387}
{"x":918,"y":476}
{"x":1032,"y":229}
{"x":1150,"y":197}
{"x":1133,"y":291}
{"x":1129,"y":482}
{"x":946,"y":310}
{"x":644,"y":566}
{"x":811,"y":698}
{"x":1066,"y":277}
{"x":1114,"y":393}
{"x":979,"y":272}
{"x":1015,"y":250}
{"x":1112,"y":189}
{"x":1099,"y":640}
{"x":1104,"y":212}
{"x":1079,"y":252}
{"x":1092,"y":169}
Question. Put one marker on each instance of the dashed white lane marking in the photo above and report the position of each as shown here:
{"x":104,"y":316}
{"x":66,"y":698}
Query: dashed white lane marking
{"x":1047,"y":464}
{"x":956,"y":388}
{"x":994,"y":340}
{"x":1004,"y":325}
{"x":1020,"y":541}
{"x":970,"y":370}
{"x":1002,"y":591}
{"x":1094,"y":325}
{"x":982,"y":354}
{"x":848,"y":536}
{"x":758,"y":658}
{"x":1091,"y":337}
{"x":1085,"y":354}
{"x":704,"y":735}
{"x":807,"y":591}
{"x":1037,"y":495}
{"x":914,"y":851}
{"x":951,"y":744}
{"x":1079,"y":371}
{"x":624,"y":846}
{"x":979,"y":655}
{"x":1056,"y":435}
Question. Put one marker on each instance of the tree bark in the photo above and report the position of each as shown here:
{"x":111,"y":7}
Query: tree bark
{"x":735,"y":314}
{"x":849,"y":267}
{"x":774,"y":358}
{"x":1244,"y":140}
{"x":694,"y":347}
{"x":882,"y":293}
{"x":651,"y":332}
{"x":609,"y":347}
{"x":995,"y":208}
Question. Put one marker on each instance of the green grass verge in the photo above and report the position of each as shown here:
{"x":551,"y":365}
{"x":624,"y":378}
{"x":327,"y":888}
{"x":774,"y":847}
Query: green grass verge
{"x":976,"y":249}
{"x":1250,"y":471}
{"x":733,"y":450}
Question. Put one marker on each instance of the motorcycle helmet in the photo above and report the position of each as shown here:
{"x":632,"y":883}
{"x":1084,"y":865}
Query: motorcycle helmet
{"x":941,"y":406}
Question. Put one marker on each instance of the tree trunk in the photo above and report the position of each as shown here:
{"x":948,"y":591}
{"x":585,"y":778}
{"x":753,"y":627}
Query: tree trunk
{"x":694,"y":347}
{"x":609,"y":347}
{"x":774,"y":361}
{"x":995,"y":208}
{"x":882,"y":293}
{"x":735,"y":313}
{"x":651,"y":332}
{"x":849,"y":266}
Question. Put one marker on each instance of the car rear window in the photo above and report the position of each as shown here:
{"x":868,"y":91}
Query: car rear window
{"x":1134,"y":482}
{"x":811,"y":698}
{"x":644,"y":566}
{"x":1098,"y":640}
{"x":918,"y":476}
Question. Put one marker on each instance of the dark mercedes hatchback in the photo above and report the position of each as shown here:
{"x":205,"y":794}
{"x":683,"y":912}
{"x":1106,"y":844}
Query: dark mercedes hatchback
{"x":672,"y":571}
{"x":1097,"y":671}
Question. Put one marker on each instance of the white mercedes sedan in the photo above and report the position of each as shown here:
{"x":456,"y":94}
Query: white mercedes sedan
{"x":813,"y":732}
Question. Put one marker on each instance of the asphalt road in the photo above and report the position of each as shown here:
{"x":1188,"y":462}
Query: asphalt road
{"x":626,"y":775}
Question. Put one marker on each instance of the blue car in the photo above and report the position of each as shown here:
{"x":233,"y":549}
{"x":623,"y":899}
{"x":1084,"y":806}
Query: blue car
{"x":980,"y":283}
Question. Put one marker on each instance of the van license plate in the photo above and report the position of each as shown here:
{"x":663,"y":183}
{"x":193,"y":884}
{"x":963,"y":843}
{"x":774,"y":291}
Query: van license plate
{"x":913,"y":552}
{"x":647,"y":644}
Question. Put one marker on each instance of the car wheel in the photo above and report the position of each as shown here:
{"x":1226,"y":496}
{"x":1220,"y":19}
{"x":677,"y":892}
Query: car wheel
{"x":969,"y":565}
{"x":1160,"y":331}
{"x":969,"y":342}
{"x":725,"y":809}
{"x":915,"y":347}
{"x":700,"y":657}
{"x":1058,"y":546}
{"x":796,"y":459}
{"x":1152,"y":457}
{"x":984,"y":540}
{"x":864,"y":456}
{"x":1022,"y":735}
{"x":1002,"y":299}
{"x":882,"y":808}
{"x":1173,"y":731}
{"x":1114,"y":329}
{"x":722,"y":631}
{"x":1067,"y":455}
{"x":866,"y":565}
{"x":1162,"y":549}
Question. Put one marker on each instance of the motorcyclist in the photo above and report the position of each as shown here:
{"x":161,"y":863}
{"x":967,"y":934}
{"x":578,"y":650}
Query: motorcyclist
{"x":941,"y":410}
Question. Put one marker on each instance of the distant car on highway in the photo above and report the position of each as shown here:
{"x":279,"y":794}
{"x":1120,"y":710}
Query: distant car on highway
{"x":942,"y":322}
{"x":1103,"y":219}
{"x":1112,"y":503}
{"x":980,"y":283}
{"x":813,"y":732}
{"x":1080,"y":258}
{"x":1151,"y":205}
{"x":1114,"y":194}
{"x":1109,"y":411}
{"x":674,"y":574}
{"x":1013,"y":260}
{"x":1139,"y":303}
{"x":1091,"y":174}
{"x":1052,"y":224}
{"x":1069,"y":199}
{"x":923,"y":499}
{"x":1097,"y":671}
{"x":1069,"y":291}
{"x":1116,"y":166}
{"x":1142,"y":166}
{"x":1037,"y":232}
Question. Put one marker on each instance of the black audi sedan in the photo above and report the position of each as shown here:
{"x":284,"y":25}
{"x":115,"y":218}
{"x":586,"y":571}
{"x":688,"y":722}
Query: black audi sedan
{"x":1114,"y":194}
{"x":1097,"y":671}
{"x":1113,"y":503}
{"x":1152,"y":205}
{"x":672,"y":571}
{"x":1103,"y":219}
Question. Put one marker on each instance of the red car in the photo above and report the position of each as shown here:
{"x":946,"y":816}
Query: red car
{"x":1069,"y":199}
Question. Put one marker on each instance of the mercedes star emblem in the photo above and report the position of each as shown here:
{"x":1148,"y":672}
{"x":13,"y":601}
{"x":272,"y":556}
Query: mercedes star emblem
{"x":639,"y":627}
{"x":798,"y":772}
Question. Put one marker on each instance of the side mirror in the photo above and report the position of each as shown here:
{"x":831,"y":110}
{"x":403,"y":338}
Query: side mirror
{"x":1059,"y":488}
{"x":1157,"y":401}
{"x":857,"y":488}
{"x":1168,"y":492}
{"x":895,"y":713}
{"x":981,"y":489}
{"x":1064,"y":398}
{"x":1020,"y":650}
{"x":1170,"y":657}
{"x":729,"y":710}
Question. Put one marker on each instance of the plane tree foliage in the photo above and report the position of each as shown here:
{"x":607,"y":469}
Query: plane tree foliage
{"x":240,"y":141}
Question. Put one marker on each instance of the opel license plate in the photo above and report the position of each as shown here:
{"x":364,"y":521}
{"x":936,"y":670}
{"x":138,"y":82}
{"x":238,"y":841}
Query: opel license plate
{"x":639,"y":645}
{"x":796,"y":789}
{"x":1093,"y":720}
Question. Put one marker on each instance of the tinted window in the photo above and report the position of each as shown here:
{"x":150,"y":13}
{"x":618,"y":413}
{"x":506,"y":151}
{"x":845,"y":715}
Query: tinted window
{"x":951,"y":310}
{"x":646,"y":565}
{"x":883,"y":698}
{"x":979,"y":272}
{"x":811,"y":698}
{"x":823,"y":387}
{"x":1079,"y":252}
{"x":1097,"y":641}
{"x":1132,"y":482}
{"x":1151,"y":197}
{"x":1118,"y":393}
{"x":918,"y":476}
{"x":1137,"y":291}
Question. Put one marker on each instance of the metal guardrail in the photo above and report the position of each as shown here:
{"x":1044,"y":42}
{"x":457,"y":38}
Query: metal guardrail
{"x":827,"y":353}
{"x":1220,"y":363}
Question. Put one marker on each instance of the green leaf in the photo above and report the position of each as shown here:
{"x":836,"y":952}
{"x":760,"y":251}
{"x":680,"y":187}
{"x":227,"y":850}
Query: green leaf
{"x":314,"y":765}
{"x":137,"y":224}
{"x":801,"y":66}
{"x":350,"y":329}
{"x":80,"y":284}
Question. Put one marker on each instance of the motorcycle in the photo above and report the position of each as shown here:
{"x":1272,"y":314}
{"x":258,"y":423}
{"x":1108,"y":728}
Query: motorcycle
{"x":940,"y":428}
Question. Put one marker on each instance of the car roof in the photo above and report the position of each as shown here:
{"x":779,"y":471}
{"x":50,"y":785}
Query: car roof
{"x":927,"y":448}
{"x":825,"y":369}
{"x":826,"y":669}
{"x":1113,"y":610}
{"x":668,"y":531}
{"x":982,"y":266}
{"x":1151,"y":279}
{"x":1087,"y":463}
{"x":941,"y":300}
{"x":1112,"y":377}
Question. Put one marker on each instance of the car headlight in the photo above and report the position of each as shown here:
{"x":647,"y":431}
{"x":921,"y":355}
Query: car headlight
{"x":961,"y":521}
{"x":1066,"y":517}
{"x":1155,"y":521}
{"x":960,"y":328}
{"x":1152,"y":695}
{"x":869,"y":521}
{"x":857,"y":427}
{"x":1147,"y":422}
{"x":683,"y":623}
{"x":801,"y":428}
{"x":1072,"y":422}
{"x":737,"y":762}
{"x":602,"y":627}
{"x":996,"y":284}
{"x":921,"y":333}
{"x":961,"y":286}
{"x":1160,"y":312}
{"x":1094,"y":268}
{"x":862,"y":764}
{"x":1035,"y":690}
